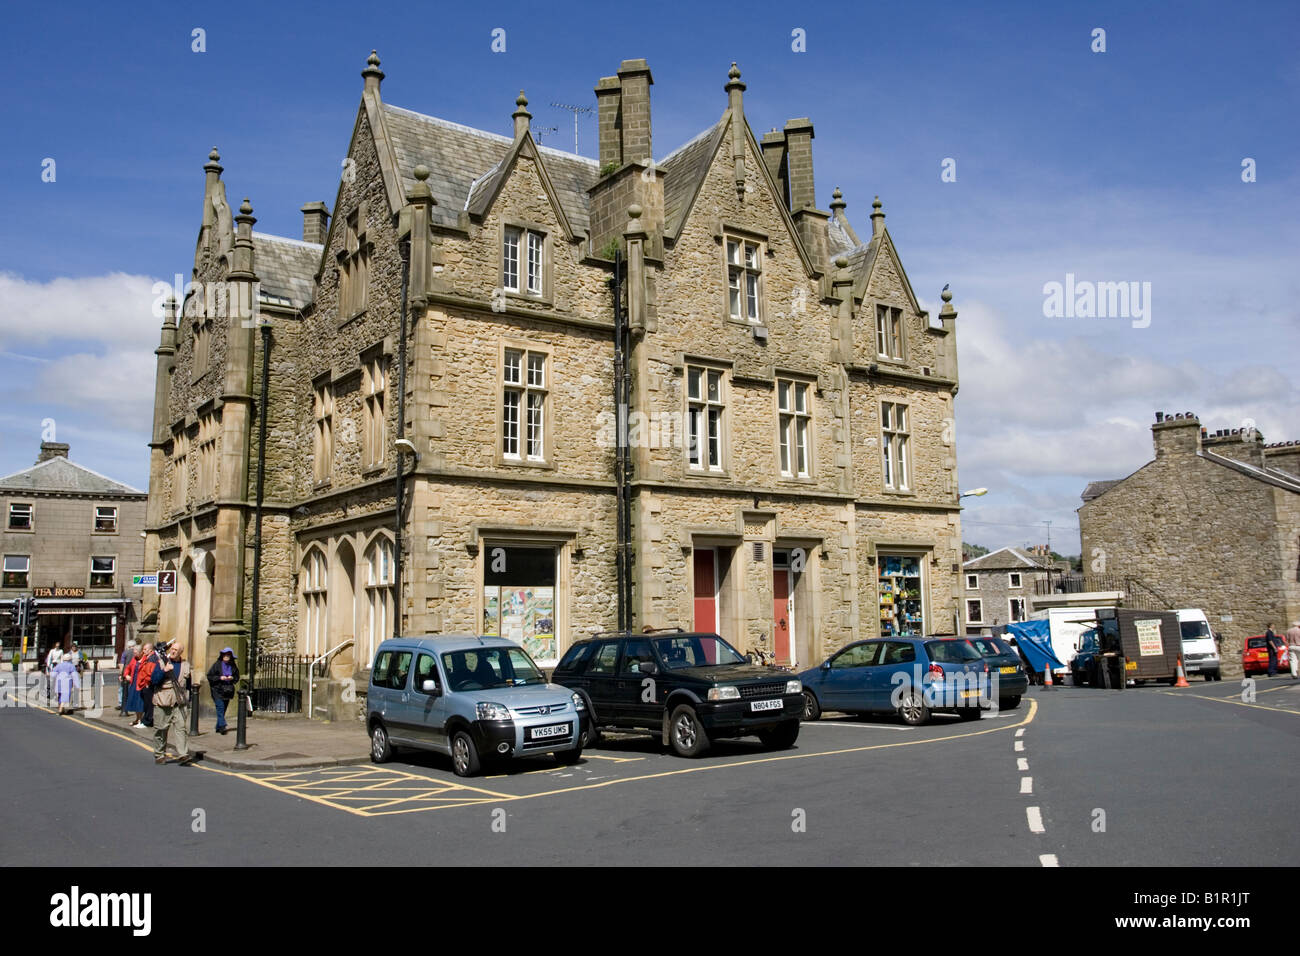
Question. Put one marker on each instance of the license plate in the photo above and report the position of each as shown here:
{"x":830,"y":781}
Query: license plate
{"x":970,"y":695}
{"x":545,"y":733}
{"x":1007,"y":670}
{"x":1131,"y":666}
{"x":766,"y":705}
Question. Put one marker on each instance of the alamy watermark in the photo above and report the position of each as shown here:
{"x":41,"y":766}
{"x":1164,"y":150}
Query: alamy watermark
{"x":1098,"y":300}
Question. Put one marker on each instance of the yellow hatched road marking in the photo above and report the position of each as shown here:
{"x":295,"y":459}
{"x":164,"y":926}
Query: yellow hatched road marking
{"x":1239,"y":703}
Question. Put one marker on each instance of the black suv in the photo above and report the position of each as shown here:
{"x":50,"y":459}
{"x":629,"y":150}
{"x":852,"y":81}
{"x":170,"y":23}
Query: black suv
{"x":690,"y":688}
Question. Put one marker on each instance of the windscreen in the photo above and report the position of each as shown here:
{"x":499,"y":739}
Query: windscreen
{"x":1194,"y":630}
{"x":696,"y":650}
{"x":488,"y":668}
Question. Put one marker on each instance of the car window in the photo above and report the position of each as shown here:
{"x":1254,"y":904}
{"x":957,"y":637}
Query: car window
{"x":1256,"y":642}
{"x":379,"y":675}
{"x":859,"y":655}
{"x":898,"y":652}
{"x":605,"y":659}
{"x":696,"y":650}
{"x":576,"y":656}
{"x":986,"y":646}
{"x":424,"y":670}
{"x":636,"y":653}
{"x":952,"y":652}
{"x":490,"y":667}
{"x":1194,"y":630}
{"x":401,"y":667}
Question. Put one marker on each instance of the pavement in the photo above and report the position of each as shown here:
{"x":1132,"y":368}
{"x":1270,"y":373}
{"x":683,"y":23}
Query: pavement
{"x":275,"y":742}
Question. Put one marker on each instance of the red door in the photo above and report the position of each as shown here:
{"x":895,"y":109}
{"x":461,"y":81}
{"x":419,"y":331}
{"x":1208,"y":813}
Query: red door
{"x":781,"y":614}
{"x":706,"y":590}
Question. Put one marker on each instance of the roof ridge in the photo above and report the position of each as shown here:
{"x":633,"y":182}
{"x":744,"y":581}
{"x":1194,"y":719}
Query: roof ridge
{"x":691,"y":142}
{"x":449,"y":124}
{"x":71,"y":464}
{"x":295,"y":242}
{"x":1251,"y":471}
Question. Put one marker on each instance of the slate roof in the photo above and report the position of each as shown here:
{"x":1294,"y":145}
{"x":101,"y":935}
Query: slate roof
{"x":684,"y":169}
{"x":1003,"y":559}
{"x":1272,"y":476}
{"x":1096,"y":489}
{"x":459,"y":156}
{"x":59,"y":474}
{"x":286,"y":268}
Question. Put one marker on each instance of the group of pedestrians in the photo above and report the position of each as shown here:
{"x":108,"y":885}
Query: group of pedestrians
{"x":1274,"y":644}
{"x":157,"y":689}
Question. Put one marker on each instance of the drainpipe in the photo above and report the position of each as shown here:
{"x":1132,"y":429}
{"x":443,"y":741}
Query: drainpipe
{"x":620,"y":473}
{"x":405,"y":249}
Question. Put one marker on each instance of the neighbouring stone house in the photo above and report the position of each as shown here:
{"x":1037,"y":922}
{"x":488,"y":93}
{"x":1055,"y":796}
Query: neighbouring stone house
{"x":998,"y":588}
{"x":792,"y":473}
{"x":72,"y":539}
{"x":1212,"y":523}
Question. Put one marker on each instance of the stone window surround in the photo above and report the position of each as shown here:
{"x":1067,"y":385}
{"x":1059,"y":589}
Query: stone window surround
{"x":547,"y":388}
{"x":568,"y":550}
{"x":27,"y":572}
{"x":524,"y":227}
{"x":353,"y":265}
{"x":909,"y":491}
{"x":740,"y":233}
{"x":796,"y":378}
{"x":882,"y":358}
{"x":1024,"y":609}
{"x":111,"y":572}
{"x":726,"y":367}
{"x":903,"y":547}
{"x":1015,"y":579}
{"x":180,"y":468}
{"x":31,"y":518}
{"x":966,"y":607}
{"x":313,"y":598}
{"x":105,"y":531}
{"x":322,"y":388}
{"x":202,"y":357}
{"x":976,"y":585}
{"x":375,"y":430}
{"x":209,"y":422}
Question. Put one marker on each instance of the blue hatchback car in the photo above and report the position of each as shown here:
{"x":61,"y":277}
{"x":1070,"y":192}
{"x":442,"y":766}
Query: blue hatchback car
{"x":472,"y":698}
{"x":912,"y":677}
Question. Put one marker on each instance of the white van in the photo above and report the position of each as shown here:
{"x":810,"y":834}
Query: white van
{"x":1200,"y":649}
{"x":1066,"y":626}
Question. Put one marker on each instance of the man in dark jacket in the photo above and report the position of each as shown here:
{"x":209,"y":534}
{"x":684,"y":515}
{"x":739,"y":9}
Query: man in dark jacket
{"x":222,"y":678}
{"x":1270,"y":644}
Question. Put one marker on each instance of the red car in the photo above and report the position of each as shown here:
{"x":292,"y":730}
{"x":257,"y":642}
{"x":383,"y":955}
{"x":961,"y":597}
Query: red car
{"x":1254,"y":656}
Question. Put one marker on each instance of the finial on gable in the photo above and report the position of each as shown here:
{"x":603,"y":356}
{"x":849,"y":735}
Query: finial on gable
{"x":877,"y":217}
{"x":521,"y":115}
{"x":838,"y":204}
{"x":372,"y":74}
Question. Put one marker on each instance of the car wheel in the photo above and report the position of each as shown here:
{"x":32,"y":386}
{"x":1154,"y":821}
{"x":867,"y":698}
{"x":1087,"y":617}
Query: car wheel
{"x":569,"y":757}
{"x":1009,"y":703}
{"x":685,"y":732}
{"x":381,"y":751}
{"x":589,"y":737}
{"x":811,"y":709}
{"x":464,"y":755}
{"x":913,"y":709}
{"x":969,"y":713}
{"x":781,"y":737}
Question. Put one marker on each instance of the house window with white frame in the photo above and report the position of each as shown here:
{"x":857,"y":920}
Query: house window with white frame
{"x":523,"y":404}
{"x":1017,"y":610}
{"x":889,"y":332}
{"x":376,"y":426}
{"x":105,"y":519}
{"x":794,"y":421}
{"x":744,"y":280}
{"x":102,"y":572}
{"x":705,"y":407}
{"x":1013,"y":579}
{"x":894,"y":435}
{"x":17,"y":571}
{"x":354,"y":265}
{"x":523,"y":261}
{"x":323,"y":444}
{"x":20,"y":517}
{"x":972,"y":582}
{"x":974,"y":611}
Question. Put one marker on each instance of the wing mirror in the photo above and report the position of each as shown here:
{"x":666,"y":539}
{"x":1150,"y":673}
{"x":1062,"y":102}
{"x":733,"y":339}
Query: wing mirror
{"x":431,"y":687}
{"x":826,"y":665}
{"x":649,"y":667}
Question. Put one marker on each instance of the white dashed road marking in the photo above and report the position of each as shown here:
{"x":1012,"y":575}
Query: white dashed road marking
{"x":1048,"y":859}
{"x":1020,"y":746}
{"x":1022,"y":764}
{"x":1035,"y":820}
{"x":1020,"y":732}
{"x":1026,"y":784}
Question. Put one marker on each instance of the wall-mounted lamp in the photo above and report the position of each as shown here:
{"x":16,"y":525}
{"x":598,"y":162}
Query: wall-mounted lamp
{"x":977,"y":493}
{"x":406,"y":446}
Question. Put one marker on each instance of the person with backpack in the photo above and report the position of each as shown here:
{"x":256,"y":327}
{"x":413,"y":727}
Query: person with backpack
{"x":171,"y":695}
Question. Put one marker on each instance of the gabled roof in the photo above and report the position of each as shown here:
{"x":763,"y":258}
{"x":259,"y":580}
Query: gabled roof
{"x":1271,"y":476}
{"x":1096,"y":489}
{"x":286,"y":268}
{"x":684,"y":171}
{"x":59,"y":474}
{"x":464,"y":161}
{"x":1004,"y":559}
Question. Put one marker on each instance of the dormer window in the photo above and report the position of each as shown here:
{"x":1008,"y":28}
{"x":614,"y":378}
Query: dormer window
{"x":889,"y":333}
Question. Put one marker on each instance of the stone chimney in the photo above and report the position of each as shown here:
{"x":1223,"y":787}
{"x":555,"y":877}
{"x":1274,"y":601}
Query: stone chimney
{"x":774,"y":158}
{"x":798,"y":149}
{"x":1245,"y":445}
{"x":52,"y":449}
{"x":623,"y":114}
{"x":1284,"y":456}
{"x":635,"y":81}
{"x":315,"y":222}
{"x":608,"y":96}
{"x":1176,"y":435}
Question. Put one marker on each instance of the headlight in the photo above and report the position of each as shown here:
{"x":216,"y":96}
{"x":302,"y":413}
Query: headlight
{"x":793,"y":687}
{"x":724,"y":693}
{"x":487,"y":710}
{"x":578,"y":703}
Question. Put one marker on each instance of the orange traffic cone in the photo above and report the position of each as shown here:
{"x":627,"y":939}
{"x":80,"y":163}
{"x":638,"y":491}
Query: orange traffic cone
{"x":1047,"y":677}
{"x":1182,"y":678}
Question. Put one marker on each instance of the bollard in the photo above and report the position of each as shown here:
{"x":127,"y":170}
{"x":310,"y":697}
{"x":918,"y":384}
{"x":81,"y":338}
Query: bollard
{"x":241,"y":718}
{"x":194,"y":711}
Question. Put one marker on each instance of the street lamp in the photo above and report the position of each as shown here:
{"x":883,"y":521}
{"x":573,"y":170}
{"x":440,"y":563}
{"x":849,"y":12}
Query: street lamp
{"x":977,"y":493}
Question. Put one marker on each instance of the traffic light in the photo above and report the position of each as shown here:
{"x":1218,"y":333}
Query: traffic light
{"x":29,"y":618}
{"x":16,"y":613}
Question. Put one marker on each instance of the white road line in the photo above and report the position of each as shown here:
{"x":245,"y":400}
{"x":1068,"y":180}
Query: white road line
{"x":1022,"y":763}
{"x":1048,"y":859}
{"x":1020,"y":732}
{"x":1035,"y":816}
{"x":1020,"y":746}
{"x":1026,"y":784}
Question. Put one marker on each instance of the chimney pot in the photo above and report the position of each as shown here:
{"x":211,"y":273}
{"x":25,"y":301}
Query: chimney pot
{"x":52,"y":449}
{"x":315,"y":222}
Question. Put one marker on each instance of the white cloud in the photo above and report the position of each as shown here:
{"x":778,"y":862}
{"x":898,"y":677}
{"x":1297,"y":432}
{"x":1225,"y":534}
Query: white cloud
{"x":114,"y":309}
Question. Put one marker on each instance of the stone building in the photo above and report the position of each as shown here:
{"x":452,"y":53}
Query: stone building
{"x":999,"y":587}
{"x":449,"y":330}
{"x":1213,"y":523}
{"x":72,"y":539}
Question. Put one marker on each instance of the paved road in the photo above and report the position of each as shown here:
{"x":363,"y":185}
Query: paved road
{"x":1183,"y":777}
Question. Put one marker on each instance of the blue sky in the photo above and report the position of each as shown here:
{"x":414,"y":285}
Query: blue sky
{"x":1115,"y":166}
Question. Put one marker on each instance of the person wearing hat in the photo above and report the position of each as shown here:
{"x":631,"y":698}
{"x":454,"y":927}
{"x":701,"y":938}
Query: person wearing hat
{"x":222,"y":677}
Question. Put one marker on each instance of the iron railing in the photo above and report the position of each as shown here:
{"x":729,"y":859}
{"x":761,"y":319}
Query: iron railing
{"x":280,"y":682}
{"x":1137,"y":594}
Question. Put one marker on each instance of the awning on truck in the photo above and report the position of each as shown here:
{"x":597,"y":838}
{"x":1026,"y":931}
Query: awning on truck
{"x":1035,"y":641}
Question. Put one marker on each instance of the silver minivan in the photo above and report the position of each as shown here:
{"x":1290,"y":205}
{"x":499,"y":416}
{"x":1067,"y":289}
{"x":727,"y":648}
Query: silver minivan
{"x":473,"y":698}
